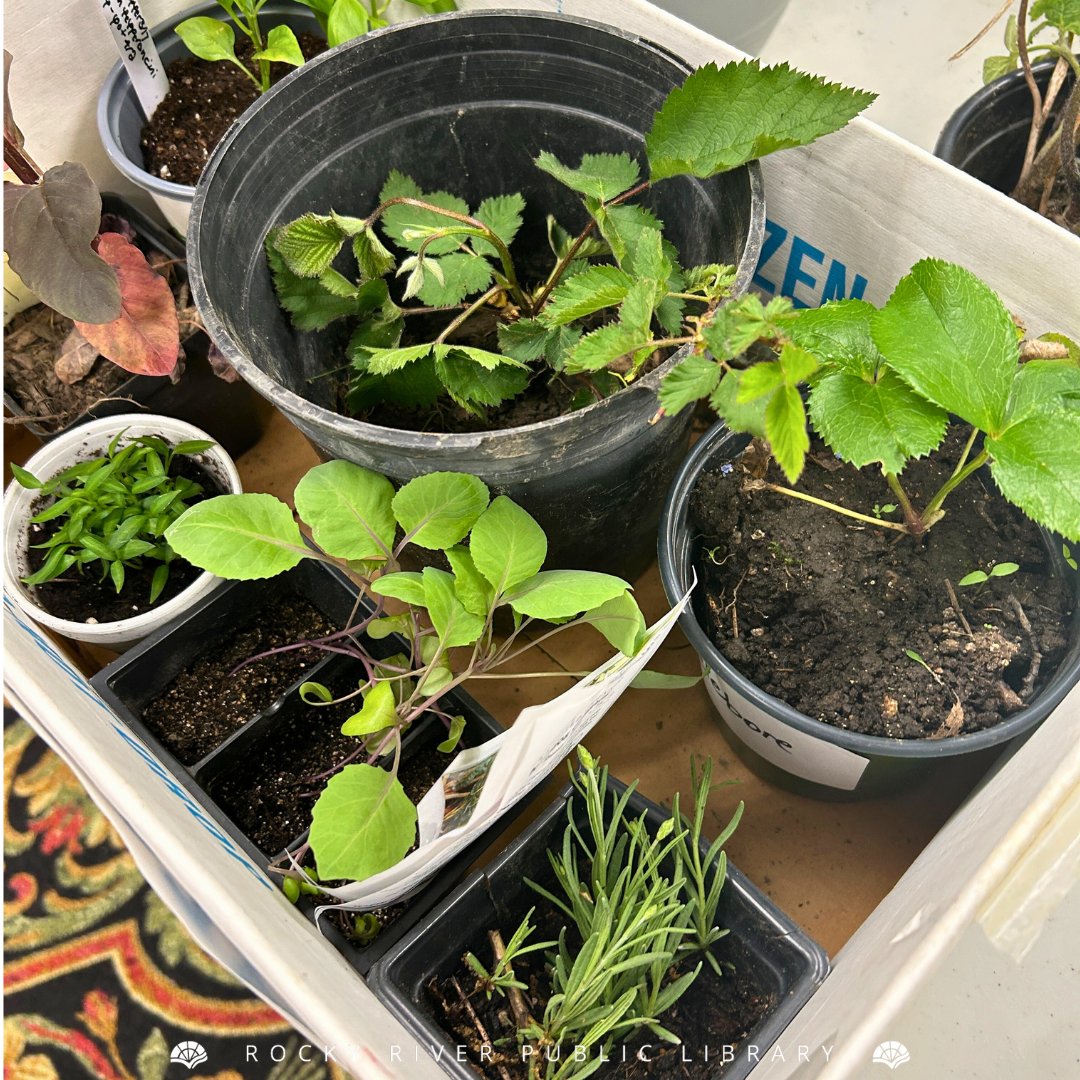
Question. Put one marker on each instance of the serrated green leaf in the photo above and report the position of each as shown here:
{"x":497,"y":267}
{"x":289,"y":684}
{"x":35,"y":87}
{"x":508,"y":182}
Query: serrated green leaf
{"x":415,"y":386}
{"x":596,"y":288}
{"x":462,"y":275}
{"x":759,"y":380}
{"x":561,"y":594}
{"x":471,"y":385}
{"x":883,"y":421}
{"x":620,"y":621}
{"x":1043,"y":383}
{"x":507,"y":545}
{"x":361,"y":824}
{"x":378,"y":713}
{"x":785,"y":428}
{"x":1063,"y":15}
{"x":624,"y":228}
{"x":838,"y":333}
{"x":310,"y":305}
{"x":385,"y":361}
{"x":749,"y":417}
{"x":600,"y":348}
{"x":995,"y":66}
{"x":602,"y":176}
{"x":737,"y":325}
{"x":1036,"y":464}
{"x":309,"y":244}
{"x":400,"y":219}
{"x":348,"y":509}
{"x":372,"y":256}
{"x":240,"y":537}
{"x":347,"y":19}
{"x":502,"y":215}
{"x":455,"y":625}
{"x":946,"y":334}
{"x":338,"y":284}
{"x":796,"y":364}
{"x":439,"y":509}
{"x":690,"y":381}
{"x":636,"y":311}
{"x":281,"y":47}
{"x":404,"y":585}
{"x":721,"y":118}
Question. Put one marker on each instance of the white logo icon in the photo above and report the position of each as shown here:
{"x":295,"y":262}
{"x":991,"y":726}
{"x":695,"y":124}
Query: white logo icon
{"x":891,"y":1054}
{"x":189,"y":1054}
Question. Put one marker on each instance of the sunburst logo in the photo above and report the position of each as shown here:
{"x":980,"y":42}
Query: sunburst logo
{"x":188,"y":1053}
{"x":891,"y":1054}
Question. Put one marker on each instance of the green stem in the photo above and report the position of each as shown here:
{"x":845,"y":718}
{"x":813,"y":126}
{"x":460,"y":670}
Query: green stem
{"x":967,"y":450}
{"x":894,"y":526}
{"x":932,"y":512}
{"x":915,"y":523}
{"x":468,"y":313}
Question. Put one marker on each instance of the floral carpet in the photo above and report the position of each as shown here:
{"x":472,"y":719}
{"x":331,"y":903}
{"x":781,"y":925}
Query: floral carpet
{"x":100,"y":979}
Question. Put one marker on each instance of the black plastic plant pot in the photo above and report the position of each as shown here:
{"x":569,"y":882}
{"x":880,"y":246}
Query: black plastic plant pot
{"x":231,"y":412}
{"x":130,"y":683}
{"x":785,"y":963}
{"x":785,"y":745}
{"x":987,"y":135}
{"x":464,"y":103}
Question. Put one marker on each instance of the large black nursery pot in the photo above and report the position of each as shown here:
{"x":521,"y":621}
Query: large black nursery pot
{"x":130,"y":683}
{"x":231,"y":412}
{"x":988,"y":133}
{"x":464,"y":103}
{"x":785,"y":745}
{"x":787,"y":965}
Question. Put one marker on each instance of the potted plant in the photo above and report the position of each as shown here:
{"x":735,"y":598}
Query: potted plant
{"x":219,"y":57}
{"x":84,"y":547}
{"x":893,"y":609}
{"x":577,"y":93}
{"x":695,"y":960}
{"x":1018,"y":133}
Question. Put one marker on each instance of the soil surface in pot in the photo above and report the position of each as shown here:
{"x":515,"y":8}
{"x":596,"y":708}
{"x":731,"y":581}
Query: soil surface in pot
{"x":87,"y":598}
{"x":204,"y":98}
{"x":210,"y":698}
{"x":824,"y":612}
{"x":716,"y":1011}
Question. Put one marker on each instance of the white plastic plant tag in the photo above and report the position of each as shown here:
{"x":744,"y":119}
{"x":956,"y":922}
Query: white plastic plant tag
{"x":127,"y":24}
{"x":784,"y":746}
{"x":486,"y":780}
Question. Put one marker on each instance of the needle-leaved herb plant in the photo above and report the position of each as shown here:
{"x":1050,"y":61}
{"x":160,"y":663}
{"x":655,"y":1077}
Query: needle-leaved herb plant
{"x":616,"y":296}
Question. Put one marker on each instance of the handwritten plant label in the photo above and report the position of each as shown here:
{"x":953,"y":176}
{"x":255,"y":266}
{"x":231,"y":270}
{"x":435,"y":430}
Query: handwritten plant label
{"x":125,"y":20}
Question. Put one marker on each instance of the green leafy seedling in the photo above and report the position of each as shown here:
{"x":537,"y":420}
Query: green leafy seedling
{"x":977,"y":577}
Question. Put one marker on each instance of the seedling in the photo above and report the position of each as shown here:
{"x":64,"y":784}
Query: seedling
{"x":445,"y":618}
{"x":911,"y":654}
{"x":977,"y":577}
{"x":881,"y":511}
{"x":1045,"y":29}
{"x":501,"y":978}
{"x":114,"y":510}
{"x":615,"y":298}
{"x":1067,"y":555}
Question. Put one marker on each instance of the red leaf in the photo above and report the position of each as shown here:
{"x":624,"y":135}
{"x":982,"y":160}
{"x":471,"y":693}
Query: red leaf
{"x":145,"y":339}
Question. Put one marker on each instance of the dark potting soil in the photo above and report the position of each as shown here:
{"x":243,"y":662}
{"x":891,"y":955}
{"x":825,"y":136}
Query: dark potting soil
{"x":204,"y":98}
{"x":717,"y":1011}
{"x":822,"y":611}
{"x":210,"y":699}
{"x":84,"y":596}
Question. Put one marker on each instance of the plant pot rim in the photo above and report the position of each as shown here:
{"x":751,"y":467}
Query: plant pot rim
{"x":675,"y":574}
{"x":427,"y":440}
{"x":55,"y":456}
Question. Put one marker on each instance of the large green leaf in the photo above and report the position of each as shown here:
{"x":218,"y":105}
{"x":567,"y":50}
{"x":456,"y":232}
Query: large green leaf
{"x":348,"y":509}
{"x":455,"y":625}
{"x":838,"y":334}
{"x":208,"y":39}
{"x":502,"y":215}
{"x":785,"y":428}
{"x":310,"y":304}
{"x":462,"y":275}
{"x":948,"y":335}
{"x":309,"y":244}
{"x":721,"y":118}
{"x":439,"y":509}
{"x":560,"y":594}
{"x":1061,"y":14}
{"x":507,"y":545}
{"x":406,"y":585}
{"x":625,"y":228}
{"x":695,"y":378}
{"x":470,"y":585}
{"x":239,"y":536}
{"x":620,"y":621}
{"x":281,"y":47}
{"x":739,"y":416}
{"x":348,"y":19}
{"x":470,"y":384}
{"x":1040,"y":384}
{"x":401,"y":218}
{"x":48,"y":229}
{"x":593,"y":289}
{"x":1036,"y":464}
{"x":362,"y":823}
{"x":885,"y":421}
{"x":601,"y":176}
{"x":601,"y":347}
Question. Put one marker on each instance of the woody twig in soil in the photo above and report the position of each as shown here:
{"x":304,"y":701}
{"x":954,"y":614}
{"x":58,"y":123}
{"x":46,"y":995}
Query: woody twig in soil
{"x":955,"y":601}
{"x":1036,"y":654}
{"x":479,"y":1024}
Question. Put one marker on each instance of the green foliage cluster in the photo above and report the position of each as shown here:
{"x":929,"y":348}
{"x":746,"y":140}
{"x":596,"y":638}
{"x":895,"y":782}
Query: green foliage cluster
{"x":363,"y":822}
{"x":616,"y":293}
{"x":639,"y":902}
{"x":114,"y":510}
{"x":341,"y":20}
{"x":880,"y":386}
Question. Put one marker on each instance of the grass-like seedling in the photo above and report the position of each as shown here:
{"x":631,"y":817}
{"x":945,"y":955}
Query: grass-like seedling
{"x":114,"y":510}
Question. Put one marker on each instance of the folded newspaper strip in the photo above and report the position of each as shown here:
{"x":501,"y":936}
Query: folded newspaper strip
{"x":485,"y":781}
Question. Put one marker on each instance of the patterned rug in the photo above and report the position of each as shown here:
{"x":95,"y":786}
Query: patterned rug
{"x":100,"y":979}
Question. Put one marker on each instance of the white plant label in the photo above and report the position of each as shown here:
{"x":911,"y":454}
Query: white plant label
{"x":485,"y":781}
{"x":125,"y":20}
{"x":784,"y":746}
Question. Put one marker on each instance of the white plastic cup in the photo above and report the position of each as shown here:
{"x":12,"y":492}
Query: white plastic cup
{"x":87,"y":441}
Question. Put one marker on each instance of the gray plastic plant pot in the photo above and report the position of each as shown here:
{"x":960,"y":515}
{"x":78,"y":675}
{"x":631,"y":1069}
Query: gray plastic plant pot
{"x":120,"y":118}
{"x":464,"y":103}
{"x":787,"y":964}
{"x":746,"y":26}
{"x":787,"y":746}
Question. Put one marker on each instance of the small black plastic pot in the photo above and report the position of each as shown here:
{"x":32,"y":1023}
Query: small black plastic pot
{"x":464,"y":103}
{"x":231,"y":412}
{"x":987,"y":136}
{"x":786,"y":963}
{"x":788,"y":747}
{"x":139,"y":676}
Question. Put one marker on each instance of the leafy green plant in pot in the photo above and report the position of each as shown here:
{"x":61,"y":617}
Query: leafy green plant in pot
{"x":441,"y":298}
{"x":364,"y":821}
{"x":855,"y":641}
